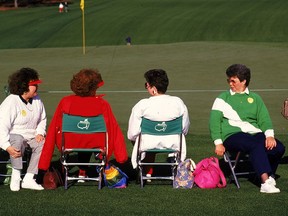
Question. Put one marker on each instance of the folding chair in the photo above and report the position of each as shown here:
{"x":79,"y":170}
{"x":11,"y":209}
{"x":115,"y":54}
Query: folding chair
{"x":84,"y":125}
{"x":160,"y":128}
{"x":234,"y":159}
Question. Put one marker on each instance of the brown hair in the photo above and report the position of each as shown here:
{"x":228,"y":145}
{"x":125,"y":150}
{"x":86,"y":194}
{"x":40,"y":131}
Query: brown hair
{"x":85,"y":82}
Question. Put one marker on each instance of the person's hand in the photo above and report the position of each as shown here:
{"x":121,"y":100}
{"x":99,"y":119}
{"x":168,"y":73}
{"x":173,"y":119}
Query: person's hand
{"x":39,"y":138}
{"x":13,"y":152}
{"x":270,"y":143}
{"x":219,"y":149}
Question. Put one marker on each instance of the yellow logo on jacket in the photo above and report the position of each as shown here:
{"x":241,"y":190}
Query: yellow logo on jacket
{"x":23,"y":113}
{"x":250,"y":100}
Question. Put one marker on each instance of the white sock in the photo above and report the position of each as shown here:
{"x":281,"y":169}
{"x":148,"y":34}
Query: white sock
{"x":16,"y":173}
{"x":28,"y":177}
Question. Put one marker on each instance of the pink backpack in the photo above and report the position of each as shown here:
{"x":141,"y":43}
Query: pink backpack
{"x":208,"y":174}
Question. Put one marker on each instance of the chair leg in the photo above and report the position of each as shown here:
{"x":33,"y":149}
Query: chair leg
{"x":232,"y":166}
{"x":66,"y":177}
{"x":101,"y":174}
{"x":141,"y":177}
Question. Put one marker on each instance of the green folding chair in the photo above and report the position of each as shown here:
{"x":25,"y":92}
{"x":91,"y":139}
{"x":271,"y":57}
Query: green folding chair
{"x":159,"y":128}
{"x":84,"y":125}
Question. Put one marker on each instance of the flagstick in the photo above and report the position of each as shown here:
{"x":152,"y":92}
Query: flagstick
{"x":83,"y":31}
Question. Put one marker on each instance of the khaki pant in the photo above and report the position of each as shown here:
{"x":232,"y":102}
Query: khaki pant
{"x":18,"y":142}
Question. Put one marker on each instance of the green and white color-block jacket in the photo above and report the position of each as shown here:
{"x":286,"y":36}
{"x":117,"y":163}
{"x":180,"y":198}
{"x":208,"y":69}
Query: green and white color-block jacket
{"x":238,"y":112}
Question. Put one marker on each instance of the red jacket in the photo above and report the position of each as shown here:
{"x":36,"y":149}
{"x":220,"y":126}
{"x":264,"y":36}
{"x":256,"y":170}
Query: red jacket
{"x":84,"y":106}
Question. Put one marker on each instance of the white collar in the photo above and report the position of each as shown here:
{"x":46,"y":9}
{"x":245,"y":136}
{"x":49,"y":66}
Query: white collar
{"x":246,"y":91}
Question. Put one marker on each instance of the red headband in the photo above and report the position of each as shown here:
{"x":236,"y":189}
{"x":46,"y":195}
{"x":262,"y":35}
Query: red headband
{"x":100,"y":84}
{"x":34,"y":82}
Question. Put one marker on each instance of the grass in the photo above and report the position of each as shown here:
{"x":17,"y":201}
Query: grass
{"x":146,"y":21}
{"x":194,"y":41}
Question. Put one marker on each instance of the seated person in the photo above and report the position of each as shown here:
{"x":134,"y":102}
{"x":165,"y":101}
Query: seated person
{"x":239,"y":121}
{"x":84,"y":102}
{"x":158,"y":107}
{"x":22,"y":124}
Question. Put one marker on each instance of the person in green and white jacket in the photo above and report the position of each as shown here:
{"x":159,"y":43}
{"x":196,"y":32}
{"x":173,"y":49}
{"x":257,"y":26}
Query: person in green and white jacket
{"x":240,"y":121}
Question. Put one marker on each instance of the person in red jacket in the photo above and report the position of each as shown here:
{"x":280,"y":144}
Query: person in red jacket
{"x":84,"y":102}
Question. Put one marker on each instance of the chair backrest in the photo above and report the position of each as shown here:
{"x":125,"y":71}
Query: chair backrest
{"x":83,"y":124}
{"x":160,"y":128}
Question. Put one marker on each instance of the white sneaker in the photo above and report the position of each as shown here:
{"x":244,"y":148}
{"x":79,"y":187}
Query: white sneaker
{"x":31,"y":184}
{"x":269,"y":187}
{"x":81,"y":180}
{"x":15,"y":184}
{"x":148,"y":180}
{"x":272,"y":180}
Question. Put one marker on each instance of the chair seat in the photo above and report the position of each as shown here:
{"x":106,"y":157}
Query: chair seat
{"x":155,"y":150}
{"x":94,"y":150}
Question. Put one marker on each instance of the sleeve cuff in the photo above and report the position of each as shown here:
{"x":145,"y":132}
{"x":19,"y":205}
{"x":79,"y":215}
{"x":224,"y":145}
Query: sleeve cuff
{"x":269,"y":133}
{"x":218,"y":141}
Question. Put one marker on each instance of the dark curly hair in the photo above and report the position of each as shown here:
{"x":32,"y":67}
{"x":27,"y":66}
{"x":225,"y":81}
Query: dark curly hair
{"x":157,"y":78}
{"x":241,"y":71}
{"x":85,"y":82}
{"x":18,"y":81}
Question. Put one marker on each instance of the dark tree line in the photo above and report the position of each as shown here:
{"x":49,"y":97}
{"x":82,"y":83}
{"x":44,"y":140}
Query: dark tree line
{"x":24,"y":3}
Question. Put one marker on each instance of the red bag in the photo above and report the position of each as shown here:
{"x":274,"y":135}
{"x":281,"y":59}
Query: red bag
{"x":52,"y":179}
{"x":208,"y":174}
{"x":284,"y":111}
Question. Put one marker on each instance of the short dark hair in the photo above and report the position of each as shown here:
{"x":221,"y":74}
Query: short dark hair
{"x":85,"y":82}
{"x":157,"y":78}
{"x":19,"y":81}
{"x":239,"y":70}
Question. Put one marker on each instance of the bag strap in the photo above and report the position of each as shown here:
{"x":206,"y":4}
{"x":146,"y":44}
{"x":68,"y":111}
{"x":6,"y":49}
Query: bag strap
{"x":215,"y":163}
{"x":192,"y":165}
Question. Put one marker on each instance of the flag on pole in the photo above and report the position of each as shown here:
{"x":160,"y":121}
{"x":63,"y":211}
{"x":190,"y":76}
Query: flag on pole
{"x":83,"y":24}
{"x":82,"y":5}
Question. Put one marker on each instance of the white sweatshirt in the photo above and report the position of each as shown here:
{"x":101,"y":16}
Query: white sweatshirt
{"x":16,"y":117}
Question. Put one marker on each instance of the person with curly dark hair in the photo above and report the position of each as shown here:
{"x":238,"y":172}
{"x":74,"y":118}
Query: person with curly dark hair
{"x":84,"y":102}
{"x":22,"y":124}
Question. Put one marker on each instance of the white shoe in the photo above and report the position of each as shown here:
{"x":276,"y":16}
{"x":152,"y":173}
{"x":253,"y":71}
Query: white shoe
{"x":272,"y":180}
{"x":31,"y":184}
{"x":15,"y":184}
{"x":269,"y":187}
{"x":15,"y":180}
{"x":148,"y":180}
{"x":81,"y":180}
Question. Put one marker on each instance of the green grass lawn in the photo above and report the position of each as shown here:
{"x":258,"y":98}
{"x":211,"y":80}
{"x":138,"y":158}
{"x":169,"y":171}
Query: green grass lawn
{"x":146,"y":21}
{"x":194,"y":41}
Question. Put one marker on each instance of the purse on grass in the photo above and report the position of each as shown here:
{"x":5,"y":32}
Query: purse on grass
{"x":52,"y":179}
{"x":184,"y":177}
{"x":208,"y":174}
{"x":114,"y":177}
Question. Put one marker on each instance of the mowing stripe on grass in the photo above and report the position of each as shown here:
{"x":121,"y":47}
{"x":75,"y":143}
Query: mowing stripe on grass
{"x":176,"y":91}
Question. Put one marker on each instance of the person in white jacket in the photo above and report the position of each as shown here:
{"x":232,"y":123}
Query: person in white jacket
{"x":22,"y":124}
{"x":158,"y":107}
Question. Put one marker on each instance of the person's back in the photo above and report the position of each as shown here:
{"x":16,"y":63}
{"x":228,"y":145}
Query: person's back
{"x":85,"y":102}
